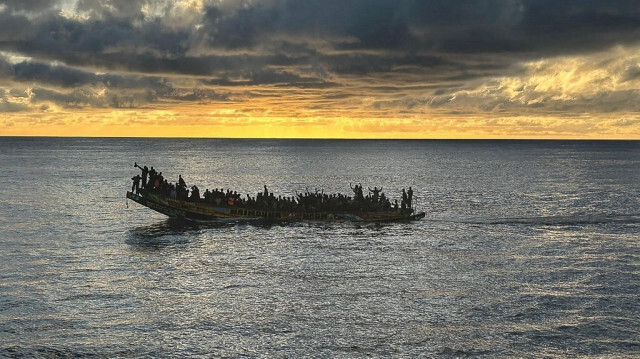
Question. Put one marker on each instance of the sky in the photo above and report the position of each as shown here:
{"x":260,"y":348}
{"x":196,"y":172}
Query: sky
{"x":321,"y":68}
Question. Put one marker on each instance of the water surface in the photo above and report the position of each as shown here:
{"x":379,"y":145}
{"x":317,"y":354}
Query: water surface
{"x":529,"y":249}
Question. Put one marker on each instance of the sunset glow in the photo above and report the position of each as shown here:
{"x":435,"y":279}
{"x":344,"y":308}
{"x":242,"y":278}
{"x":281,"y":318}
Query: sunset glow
{"x":318,"y":69}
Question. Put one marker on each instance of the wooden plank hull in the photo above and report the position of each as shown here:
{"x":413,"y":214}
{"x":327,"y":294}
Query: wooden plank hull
{"x":206,"y":212}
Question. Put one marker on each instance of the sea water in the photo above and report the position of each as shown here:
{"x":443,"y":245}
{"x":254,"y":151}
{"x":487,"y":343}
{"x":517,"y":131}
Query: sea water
{"x":528,"y":249}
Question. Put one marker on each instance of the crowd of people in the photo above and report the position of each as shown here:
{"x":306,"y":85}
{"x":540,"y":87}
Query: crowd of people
{"x":374,"y":201}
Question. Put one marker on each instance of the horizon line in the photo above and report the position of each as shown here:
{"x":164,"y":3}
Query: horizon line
{"x":335,"y":138}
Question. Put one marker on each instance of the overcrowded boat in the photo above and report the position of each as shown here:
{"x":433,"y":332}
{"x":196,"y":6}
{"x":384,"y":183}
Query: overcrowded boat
{"x":152,"y":190}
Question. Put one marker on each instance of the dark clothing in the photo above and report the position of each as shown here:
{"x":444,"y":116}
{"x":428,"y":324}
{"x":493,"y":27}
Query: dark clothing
{"x":145,"y":172}
{"x":376,"y":193}
{"x":195,"y":193}
{"x":136,"y":184}
{"x":376,"y":201}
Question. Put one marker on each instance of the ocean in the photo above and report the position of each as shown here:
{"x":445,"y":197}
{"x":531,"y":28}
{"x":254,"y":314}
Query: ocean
{"x":528,"y":249}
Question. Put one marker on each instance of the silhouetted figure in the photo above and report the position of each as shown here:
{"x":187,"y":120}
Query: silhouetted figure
{"x":318,"y":201}
{"x":376,"y":193}
{"x":195,"y":193}
{"x":152,"y":178}
{"x":404,"y":199}
{"x":386,"y":205}
{"x":358,"y":194}
{"x":135,"y":188}
{"x":145,"y":172}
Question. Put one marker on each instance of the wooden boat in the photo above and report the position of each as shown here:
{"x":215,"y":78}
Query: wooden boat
{"x":202,"y":211}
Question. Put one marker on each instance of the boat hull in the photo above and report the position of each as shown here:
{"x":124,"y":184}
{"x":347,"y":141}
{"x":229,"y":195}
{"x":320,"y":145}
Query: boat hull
{"x":207,"y":212}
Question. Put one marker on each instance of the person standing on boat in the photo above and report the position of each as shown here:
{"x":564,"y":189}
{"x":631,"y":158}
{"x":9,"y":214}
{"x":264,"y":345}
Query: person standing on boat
{"x":159,"y":181}
{"x":152,"y":178}
{"x":403,"y":204}
{"x":409,"y":197}
{"x":195,"y":193}
{"x":357,"y":191}
{"x":376,"y":193}
{"x":181,"y":182}
{"x":135,"y":188}
{"x":145,"y":172}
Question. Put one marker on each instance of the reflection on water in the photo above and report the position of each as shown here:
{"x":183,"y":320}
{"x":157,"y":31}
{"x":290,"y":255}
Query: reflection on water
{"x":574,"y":220}
{"x":163,"y":233}
{"x":170,"y":227}
{"x":529,"y":249}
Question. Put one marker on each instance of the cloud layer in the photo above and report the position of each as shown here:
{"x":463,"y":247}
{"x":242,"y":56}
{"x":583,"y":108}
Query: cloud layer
{"x":357,"y":59}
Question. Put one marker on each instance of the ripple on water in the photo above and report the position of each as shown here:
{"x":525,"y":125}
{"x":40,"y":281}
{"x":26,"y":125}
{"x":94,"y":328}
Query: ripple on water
{"x":528,"y":250}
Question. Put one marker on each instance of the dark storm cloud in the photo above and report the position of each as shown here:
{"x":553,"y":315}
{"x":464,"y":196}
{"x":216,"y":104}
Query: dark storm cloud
{"x":91,"y":97}
{"x":432,"y":26}
{"x":295,"y":43}
{"x":114,"y":98}
{"x":112,"y":8}
{"x":13,"y":28}
{"x":270,"y":77}
{"x":443,"y":25}
{"x":75,"y":98}
{"x":241,"y":29}
{"x":579,"y":24}
{"x":375,"y":24}
{"x":30,"y":5}
{"x":55,"y":75}
{"x":70,"y":87}
{"x":76,"y":42}
{"x":67,"y":77}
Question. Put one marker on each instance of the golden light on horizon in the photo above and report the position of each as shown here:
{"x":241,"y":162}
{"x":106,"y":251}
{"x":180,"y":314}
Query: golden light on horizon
{"x":190,"y":122}
{"x":192,"y":80}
